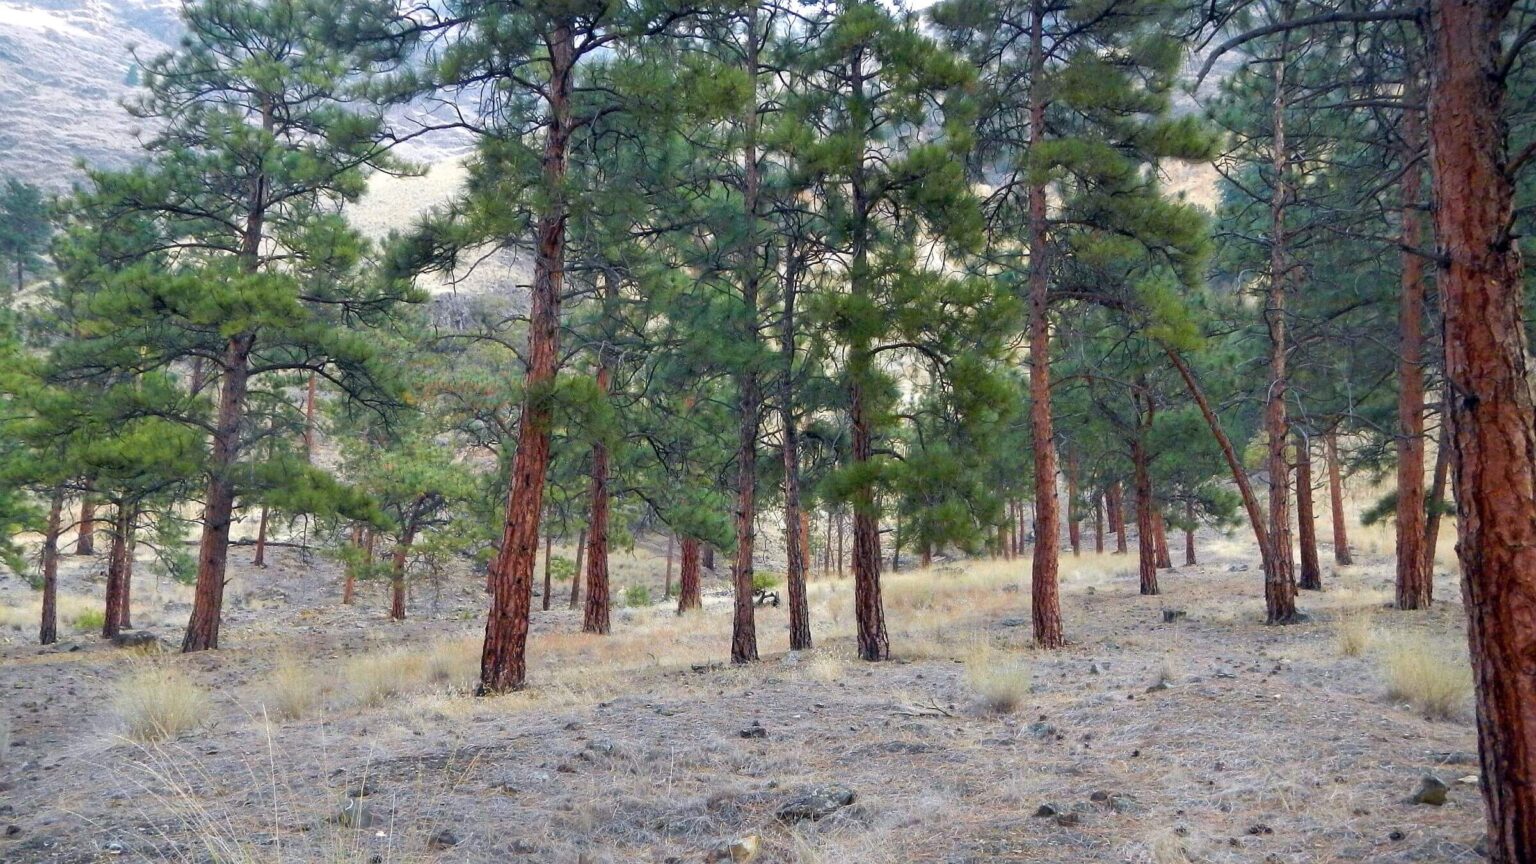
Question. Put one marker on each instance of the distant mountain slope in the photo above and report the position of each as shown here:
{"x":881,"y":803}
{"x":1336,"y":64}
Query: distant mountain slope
{"x":65,"y":66}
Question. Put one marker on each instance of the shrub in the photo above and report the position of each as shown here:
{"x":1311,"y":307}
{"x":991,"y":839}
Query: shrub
{"x":1434,"y":678}
{"x":637,"y":595}
{"x":156,"y":702}
{"x":1000,"y":681}
{"x":764,"y":581}
{"x":91,"y":620}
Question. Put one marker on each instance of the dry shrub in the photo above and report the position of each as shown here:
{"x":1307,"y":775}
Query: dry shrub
{"x":291,"y":691}
{"x":1353,"y":632}
{"x":1434,"y":677}
{"x":159,"y":701}
{"x":1000,"y":680}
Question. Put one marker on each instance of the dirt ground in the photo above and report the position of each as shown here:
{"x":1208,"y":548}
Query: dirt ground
{"x":1210,"y":738}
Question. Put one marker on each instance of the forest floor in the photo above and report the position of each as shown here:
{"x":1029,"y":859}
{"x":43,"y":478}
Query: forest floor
{"x":1209,"y":738}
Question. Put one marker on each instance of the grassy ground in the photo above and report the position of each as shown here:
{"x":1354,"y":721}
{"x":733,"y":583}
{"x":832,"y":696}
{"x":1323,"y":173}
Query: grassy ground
{"x":1212,"y":738}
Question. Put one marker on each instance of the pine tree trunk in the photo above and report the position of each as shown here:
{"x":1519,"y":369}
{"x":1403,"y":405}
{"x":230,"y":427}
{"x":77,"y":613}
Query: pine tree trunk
{"x":549,"y":584}
{"x":503,"y":662}
{"x":1341,"y":554}
{"x":796,"y":520}
{"x":1492,"y":416}
{"x":1280,"y":581}
{"x":117,"y":574}
{"x":688,"y":577}
{"x":667,"y":587}
{"x":125,"y":622}
{"x":842,"y":529}
{"x":349,"y":582}
{"x":260,"y":558}
{"x":1160,"y":533}
{"x":896,"y":542}
{"x":397,"y":573}
{"x":707,"y":553}
{"x":219,"y":500}
{"x":1098,"y":524}
{"x":1118,"y":519}
{"x":748,"y":388}
{"x":309,"y":418}
{"x":595,"y":618}
{"x":1415,"y":585}
{"x":1074,"y":514}
{"x":86,"y":544}
{"x":1436,"y":501}
{"x":1045,"y":610}
{"x":1306,"y":525}
{"x":1189,"y":534}
{"x":581,"y":553}
{"x":1146,"y":540}
{"x":48,"y":628}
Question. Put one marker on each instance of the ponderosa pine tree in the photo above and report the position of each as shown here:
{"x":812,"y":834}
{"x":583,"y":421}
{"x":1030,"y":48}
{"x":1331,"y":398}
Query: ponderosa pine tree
{"x":24,"y":227}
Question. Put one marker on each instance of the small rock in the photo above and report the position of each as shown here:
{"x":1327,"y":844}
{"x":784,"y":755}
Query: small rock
{"x":1260,"y":828}
{"x":1237,"y":568}
{"x":1045,"y":811}
{"x":523,"y":847}
{"x":1454,"y":757}
{"x":355,"y":813}
{"x":815,"y":803}
{"x":1431,"y":791}
{"x":12,"y":830}
{"x":1172,"y":615}
{"x":1041,"y":729}
{"x":740,"y":849}
{"x":1067,"y":820}
{"x":443,"y":839}
{"x":755,"y":730}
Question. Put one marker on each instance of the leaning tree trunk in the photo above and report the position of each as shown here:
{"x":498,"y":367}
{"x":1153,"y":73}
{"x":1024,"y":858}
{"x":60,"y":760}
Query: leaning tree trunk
{"x":219,"y":501}
{"x":1306,"y":525}
{"x":1415,"y":585}
{"x":1046,"y":606}
{"x":1146,"y":544}
{"x":503,"y":662}
{"x":48,"y":628}
{"x":1234,"y":465}
{"x":1492,"y":415}
{"x":1341,"y":554}
{"x":688,"y":577}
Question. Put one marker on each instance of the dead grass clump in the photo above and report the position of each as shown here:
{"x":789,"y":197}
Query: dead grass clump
{"x":291,"y":691}
{"x":1353,"y":632}
{"x":1000,"y":681}
{"x":454,"y":663}
{"x":374,"y":679}
{"x":1432,"y":676}
{"x":825,"y":666}
{"x":157,"y":702}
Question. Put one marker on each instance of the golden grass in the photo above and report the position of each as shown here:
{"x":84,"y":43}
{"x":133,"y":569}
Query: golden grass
{"x":1434,"y":676}
{"x":159,"y":701}
{"x":1353,"y":632}
{"x":1000,"y":680}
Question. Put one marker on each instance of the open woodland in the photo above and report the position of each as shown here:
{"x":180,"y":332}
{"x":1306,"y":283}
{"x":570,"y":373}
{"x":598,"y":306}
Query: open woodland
{"x":1000,"y":430}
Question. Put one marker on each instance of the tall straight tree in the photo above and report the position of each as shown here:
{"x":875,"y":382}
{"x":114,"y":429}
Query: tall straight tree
{"x":1061,"y":121}
{"x":256,"y":141}
{"x":874,"y":90}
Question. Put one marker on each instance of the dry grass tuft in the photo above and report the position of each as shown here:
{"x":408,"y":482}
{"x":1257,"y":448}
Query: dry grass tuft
{"x":1434,"y":677}
{"x":157,"y":702}
{"x":1001,"y":681}
{"x":1353,"y":632}
{"x":291,"y":691}
{"x":825,"y":666}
